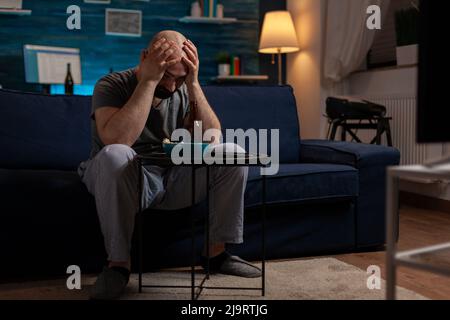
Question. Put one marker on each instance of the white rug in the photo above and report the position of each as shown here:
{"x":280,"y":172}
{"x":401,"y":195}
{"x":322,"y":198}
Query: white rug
{"x":314,"y":279}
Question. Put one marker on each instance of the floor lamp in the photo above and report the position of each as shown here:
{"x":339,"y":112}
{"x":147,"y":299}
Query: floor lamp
{"x":278,"y":36}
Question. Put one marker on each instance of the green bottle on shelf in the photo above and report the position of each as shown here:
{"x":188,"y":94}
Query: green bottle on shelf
{"x":231,"y":65}
{"x":68,"y":83}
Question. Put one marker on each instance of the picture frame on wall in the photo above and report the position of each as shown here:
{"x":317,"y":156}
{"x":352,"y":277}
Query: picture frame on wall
{"x":98,"y":1}
{"x":11,"y":4}
{"x":122,"y":22}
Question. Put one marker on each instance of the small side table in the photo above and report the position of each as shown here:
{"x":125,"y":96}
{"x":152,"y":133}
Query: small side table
{"x":381,"y":125}
{"x":234,"y":160}
{"x":413,"y":258}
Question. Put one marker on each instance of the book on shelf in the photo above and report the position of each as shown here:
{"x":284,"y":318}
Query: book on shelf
{"x":202,"y":6}
{"x":212,"y":8}
{"x":235,"y":66}
{"x":209,"y":8}
{"x":205,"y":8}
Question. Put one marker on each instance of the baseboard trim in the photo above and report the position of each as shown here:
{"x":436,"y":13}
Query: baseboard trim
{"x":424,"y":202}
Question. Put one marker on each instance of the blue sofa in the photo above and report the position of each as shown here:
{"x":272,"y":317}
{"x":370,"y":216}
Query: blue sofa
{"x":328,"y":197}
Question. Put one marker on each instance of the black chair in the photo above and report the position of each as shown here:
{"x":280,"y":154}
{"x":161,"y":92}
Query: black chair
{"x":352,"y":116}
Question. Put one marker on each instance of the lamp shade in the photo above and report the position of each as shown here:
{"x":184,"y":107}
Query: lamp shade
{"x":278,"y":33}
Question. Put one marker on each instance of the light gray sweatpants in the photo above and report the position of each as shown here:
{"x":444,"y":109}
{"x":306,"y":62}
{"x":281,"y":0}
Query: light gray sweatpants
{"x":112,"y":177}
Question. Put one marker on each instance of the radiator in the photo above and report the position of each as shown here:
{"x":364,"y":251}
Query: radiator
{"x":403,"y":111}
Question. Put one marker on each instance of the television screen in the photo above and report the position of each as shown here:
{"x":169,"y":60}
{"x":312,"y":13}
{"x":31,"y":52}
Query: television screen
{"x":434,"y":72}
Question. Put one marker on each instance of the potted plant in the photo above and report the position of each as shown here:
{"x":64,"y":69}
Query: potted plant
{"x":407,"y":29}
{"x":223,"y":61}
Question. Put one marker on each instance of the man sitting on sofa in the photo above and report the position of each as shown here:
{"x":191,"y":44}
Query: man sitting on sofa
{"x":133,"y":111}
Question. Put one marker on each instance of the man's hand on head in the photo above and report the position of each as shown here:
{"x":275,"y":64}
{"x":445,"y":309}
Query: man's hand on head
{"x":154,"y":61}
{"x":192,"y":61}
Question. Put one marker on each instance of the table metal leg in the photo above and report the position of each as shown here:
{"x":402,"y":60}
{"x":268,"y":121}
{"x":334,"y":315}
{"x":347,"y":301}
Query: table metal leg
{"x":344,"y":131}
{"x":334,"y":129}
{"x":193,"y":236}
{"x":207,"y":222}
{"x":201,"y":286}
{"x":380,"y":130}
{"x":387,"y":126}
{"x":263,"y":269}
{"x":391,"y":233}
{"x":139,"y":226}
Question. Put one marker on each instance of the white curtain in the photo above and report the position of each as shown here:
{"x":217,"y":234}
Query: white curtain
{"x":347,"y":38}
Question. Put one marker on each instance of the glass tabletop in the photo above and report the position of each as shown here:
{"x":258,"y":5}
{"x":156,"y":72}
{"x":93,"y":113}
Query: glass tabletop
{"x":225,"y":159}
{"x":434,"y":258}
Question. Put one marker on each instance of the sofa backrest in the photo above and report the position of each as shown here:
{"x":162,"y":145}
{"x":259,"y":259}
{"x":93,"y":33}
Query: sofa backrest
{"x":259,"y":107}
{"x":43,"y":132}
{"x":53,"y":132}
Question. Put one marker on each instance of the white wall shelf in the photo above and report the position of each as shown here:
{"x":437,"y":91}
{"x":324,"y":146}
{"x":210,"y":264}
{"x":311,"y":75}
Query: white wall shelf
{"x":241,"y":78}
{"x":18,"y":12}
{"x":211,"y":20}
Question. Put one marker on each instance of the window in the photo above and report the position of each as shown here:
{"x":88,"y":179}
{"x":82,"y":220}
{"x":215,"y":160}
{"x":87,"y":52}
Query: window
{"x":383,"y":52}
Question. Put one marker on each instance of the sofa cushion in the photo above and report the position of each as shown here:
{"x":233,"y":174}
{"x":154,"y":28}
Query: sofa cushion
{"x":43,"y":132}
{"x":303,"y":182}
{"x":259,"y":107}
{"x":358,"y":155}
{"x":49,"y":222}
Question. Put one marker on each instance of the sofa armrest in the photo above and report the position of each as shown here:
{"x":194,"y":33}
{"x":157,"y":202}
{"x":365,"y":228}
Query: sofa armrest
{"x":357,"y":155}
{"x":371,"y":162}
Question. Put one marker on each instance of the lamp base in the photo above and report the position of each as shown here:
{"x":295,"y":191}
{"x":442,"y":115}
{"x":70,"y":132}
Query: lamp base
{"x":280,"y":62}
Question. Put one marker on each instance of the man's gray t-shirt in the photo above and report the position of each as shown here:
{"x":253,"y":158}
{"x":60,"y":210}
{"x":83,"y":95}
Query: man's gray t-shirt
{"x":115,"y":89}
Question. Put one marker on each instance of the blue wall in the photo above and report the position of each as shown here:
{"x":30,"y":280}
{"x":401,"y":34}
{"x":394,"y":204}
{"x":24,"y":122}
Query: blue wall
{"x":99,"y":52}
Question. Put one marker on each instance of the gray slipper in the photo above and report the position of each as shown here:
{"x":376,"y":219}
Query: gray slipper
{"x":235,"y":266}
{"x":109,"y":285}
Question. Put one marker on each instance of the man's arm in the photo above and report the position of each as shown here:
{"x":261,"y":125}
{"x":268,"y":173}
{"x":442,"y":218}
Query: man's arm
{"x":124,"y":125}
{"x":203,"y":111}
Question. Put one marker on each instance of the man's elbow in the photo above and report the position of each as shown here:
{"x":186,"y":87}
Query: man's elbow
{"x":116,"y":140}
{"x":111,"y":142}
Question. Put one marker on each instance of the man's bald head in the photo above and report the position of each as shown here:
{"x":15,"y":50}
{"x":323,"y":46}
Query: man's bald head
{"x":177,"y":38}
{"x":170,"y":35}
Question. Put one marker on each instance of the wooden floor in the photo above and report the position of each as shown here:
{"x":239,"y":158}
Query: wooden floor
{"x":418,"y":228}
